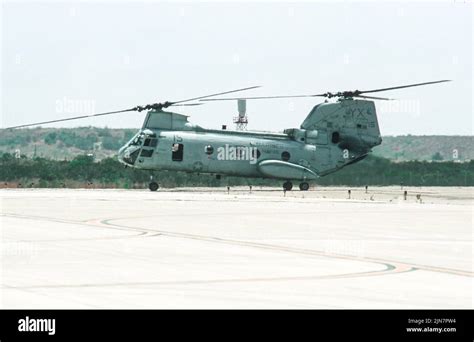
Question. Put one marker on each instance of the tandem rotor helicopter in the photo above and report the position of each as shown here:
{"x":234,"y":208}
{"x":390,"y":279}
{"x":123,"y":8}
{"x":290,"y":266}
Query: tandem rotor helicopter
{"x":333,"y":135}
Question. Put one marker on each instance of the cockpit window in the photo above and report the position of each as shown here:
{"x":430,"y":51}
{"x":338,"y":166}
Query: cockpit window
{"x":130,"y":158}
{"x":137,"y":141}
{"x":146,"y":153}
{"x":150,"y":142}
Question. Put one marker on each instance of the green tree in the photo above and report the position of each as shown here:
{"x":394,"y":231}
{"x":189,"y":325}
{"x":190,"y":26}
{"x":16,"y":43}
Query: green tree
{"x":437,"y":156}
{"x":51,"y":138}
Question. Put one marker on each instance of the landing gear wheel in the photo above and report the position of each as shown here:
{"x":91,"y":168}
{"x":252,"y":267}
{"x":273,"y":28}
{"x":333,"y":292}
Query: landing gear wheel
{"x":287,"y":186}
{"x":153,"y":186}
{"x":304,"y":186}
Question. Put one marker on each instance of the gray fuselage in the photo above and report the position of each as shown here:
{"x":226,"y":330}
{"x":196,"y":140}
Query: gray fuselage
{"x":167,"y":141}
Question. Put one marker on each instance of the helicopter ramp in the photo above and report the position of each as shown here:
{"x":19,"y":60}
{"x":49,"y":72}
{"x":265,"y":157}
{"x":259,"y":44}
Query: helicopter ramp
{"x":206,"y":248}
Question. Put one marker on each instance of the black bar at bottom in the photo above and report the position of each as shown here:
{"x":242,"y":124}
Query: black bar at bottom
{"x":400,"y":325}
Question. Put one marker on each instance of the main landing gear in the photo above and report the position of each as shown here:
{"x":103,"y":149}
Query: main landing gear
{"x":287,"y":186}
{"x":304,"y":186}
{"x":153,"y":186}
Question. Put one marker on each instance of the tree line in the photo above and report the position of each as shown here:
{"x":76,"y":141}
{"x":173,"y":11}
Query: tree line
{"x":84,"y":171}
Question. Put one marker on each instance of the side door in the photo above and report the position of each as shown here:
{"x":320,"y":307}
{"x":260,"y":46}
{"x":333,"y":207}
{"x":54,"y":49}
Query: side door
{"x":177,"y":149}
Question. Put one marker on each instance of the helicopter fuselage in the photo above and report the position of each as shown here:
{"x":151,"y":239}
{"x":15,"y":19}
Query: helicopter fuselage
{"x":226,"y":153}
{"x":167,"y":141}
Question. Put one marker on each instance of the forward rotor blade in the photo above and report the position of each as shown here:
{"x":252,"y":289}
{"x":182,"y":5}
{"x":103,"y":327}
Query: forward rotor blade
{"x":73,"y":118}
{"x":216,"y":94}
{"x":158,"y":106}
{"x":261,"y":97}
{"x":374,"y":97}
{"x":400,"y":87}
{"x":188,"y":104}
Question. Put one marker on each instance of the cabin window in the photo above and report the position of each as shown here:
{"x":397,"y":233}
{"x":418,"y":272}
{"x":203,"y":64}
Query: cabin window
{"x":150,"y":142}
{"x":146,"y":153}
{"x":209,"y":149}
{"x":177,"y":152}
{"x":285,"y":156}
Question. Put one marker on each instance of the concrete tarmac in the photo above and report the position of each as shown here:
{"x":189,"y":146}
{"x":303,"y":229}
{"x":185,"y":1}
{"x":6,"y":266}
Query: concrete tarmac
{"x":206,"y":248}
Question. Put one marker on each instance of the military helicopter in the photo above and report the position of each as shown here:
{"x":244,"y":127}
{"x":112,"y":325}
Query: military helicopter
{"x":333,"y":135}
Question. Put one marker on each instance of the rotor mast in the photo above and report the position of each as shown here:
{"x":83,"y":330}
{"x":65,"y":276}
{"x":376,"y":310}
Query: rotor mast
{"x":241,"y":120}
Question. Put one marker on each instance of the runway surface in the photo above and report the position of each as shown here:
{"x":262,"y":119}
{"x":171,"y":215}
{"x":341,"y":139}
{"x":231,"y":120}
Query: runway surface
{"x":206,"y":248}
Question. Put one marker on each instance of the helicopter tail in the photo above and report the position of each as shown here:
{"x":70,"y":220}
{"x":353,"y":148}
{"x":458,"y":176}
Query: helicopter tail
{"x":344,"y":132}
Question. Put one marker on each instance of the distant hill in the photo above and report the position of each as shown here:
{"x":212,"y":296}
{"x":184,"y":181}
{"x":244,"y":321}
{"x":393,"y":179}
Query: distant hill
{"x":426,"y":147}
{"x":67,"y":143}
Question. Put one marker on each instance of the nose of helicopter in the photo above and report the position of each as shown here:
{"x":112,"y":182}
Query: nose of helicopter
{"x":128,"y":154}
{"x":121,"y":154}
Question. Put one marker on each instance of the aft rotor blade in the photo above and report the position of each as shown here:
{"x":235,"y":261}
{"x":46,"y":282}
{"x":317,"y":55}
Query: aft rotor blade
{"x":73,"y":118}
{"x":261,"y":97}
{"x":216,"y":94}
{"x":400,"y":87}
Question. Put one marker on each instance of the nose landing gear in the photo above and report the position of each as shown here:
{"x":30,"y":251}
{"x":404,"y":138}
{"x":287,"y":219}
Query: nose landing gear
{"x":287,"y":186}
{"x":153,"y":186}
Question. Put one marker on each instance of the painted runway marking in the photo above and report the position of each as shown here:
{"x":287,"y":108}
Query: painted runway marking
{"x":304,"y":251}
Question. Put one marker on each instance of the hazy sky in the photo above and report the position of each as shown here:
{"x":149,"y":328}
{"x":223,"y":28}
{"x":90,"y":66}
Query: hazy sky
{"x":65,"y":59}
